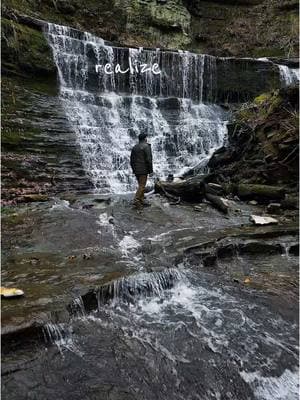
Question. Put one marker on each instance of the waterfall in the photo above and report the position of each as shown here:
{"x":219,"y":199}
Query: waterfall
{"x":289,"y":76}
{"x":127,"y":290}
{"x":108,"y":111}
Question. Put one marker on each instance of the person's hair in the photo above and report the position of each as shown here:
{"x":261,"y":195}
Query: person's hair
{"x":142,"y":136}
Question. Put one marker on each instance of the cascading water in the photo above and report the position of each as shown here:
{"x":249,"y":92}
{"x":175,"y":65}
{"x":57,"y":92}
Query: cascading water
{"x":108,"y":111}
{"x":289,"y":76}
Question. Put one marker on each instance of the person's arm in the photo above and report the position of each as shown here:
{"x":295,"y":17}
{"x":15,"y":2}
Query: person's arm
{"x":148,"y":153}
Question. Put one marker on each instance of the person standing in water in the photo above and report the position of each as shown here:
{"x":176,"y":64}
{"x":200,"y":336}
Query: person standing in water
{"x":141,"y":164}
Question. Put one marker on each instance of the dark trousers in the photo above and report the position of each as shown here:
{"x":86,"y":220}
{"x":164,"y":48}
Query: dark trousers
{"x":139,"y":196}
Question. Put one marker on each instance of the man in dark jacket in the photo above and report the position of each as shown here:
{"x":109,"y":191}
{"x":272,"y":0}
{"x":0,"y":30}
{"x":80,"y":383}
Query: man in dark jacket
{"x":141,"y":164}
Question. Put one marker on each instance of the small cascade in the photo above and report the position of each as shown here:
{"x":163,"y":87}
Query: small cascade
{"x":61,"y":336}
{"x":289,"y":76}
{"x":127,"y":290}
{"x":107,"y":111}
{"x":54,"y":332}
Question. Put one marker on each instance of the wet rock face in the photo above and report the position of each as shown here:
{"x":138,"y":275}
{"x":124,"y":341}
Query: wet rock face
{"x":39,"y":151}
{"x":25,"y":51}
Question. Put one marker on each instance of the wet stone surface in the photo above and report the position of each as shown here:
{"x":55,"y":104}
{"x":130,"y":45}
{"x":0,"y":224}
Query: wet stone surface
{"x":211,"y":334}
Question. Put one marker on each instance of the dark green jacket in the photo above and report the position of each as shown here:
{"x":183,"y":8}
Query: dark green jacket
{"x":141,"y":159}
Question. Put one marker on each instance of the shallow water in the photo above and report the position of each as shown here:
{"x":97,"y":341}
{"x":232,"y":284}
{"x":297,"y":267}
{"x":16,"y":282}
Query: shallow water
{"x":198,"y":340}
{"x":200,"y":335}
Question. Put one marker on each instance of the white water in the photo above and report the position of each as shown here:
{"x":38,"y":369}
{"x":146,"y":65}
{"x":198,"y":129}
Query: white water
{"x":289,"y":76}
{"x":183,"y":133}
{"x":173,"y":323}
{"x":283,"y":387}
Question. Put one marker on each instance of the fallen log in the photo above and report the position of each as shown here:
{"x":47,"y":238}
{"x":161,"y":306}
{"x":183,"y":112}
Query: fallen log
{"x":217,"y":202}
{"x":261,"y":193}
{"x":191,"y":189}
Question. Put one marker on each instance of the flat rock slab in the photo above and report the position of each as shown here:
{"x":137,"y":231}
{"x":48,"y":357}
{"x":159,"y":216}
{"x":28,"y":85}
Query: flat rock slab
{"x":258,"y":220}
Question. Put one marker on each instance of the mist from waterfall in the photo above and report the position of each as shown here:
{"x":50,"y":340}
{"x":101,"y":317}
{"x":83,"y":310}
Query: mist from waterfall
{"x":108,"y":111}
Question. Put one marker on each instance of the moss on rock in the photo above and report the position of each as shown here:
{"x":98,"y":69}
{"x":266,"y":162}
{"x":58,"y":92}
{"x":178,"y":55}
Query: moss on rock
{"x":227,"y":28}
{"x":263,"y":143}
{"x":25,"y":50}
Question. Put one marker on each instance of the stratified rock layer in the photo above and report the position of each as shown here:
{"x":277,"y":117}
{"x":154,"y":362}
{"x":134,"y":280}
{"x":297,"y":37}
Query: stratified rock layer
{"x":39,"y":150}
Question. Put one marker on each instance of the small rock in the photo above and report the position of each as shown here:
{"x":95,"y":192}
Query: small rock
{"x":198,"y":208}
{"x":11,"y":292}
{"x":258,"y":220}
{"x":274,"y":208}
{"x":253,"y":202}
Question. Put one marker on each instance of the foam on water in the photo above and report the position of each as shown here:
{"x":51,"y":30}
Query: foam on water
{"x":174,"y":322}
{"x":61,"y":205}
{"x":127,"y":244}
{"x":283,"y":387}
{"x":212,"y":316}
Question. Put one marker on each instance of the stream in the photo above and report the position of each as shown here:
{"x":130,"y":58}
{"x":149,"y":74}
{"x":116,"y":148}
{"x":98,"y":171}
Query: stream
{"x":166,"y":326}
{"x":120,"y":305}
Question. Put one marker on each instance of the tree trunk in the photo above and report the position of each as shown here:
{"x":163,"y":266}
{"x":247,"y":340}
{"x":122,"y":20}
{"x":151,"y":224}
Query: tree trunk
{"x":217,"y":202}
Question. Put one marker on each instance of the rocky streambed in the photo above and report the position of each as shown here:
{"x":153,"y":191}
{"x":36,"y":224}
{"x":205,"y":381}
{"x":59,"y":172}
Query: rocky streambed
{"x":169,"y":303}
